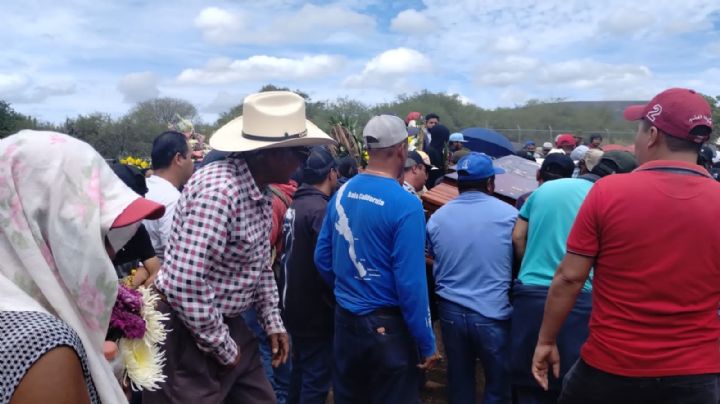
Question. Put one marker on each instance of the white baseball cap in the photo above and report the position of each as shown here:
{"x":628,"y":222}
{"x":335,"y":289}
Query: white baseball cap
{"x":384,"y":131}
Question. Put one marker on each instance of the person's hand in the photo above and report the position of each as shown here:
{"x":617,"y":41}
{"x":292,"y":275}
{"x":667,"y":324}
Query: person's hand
{"x":430,"y":361}
{"x":110,"y":350}
{"x":139,"y":278}
{"x":280,"y":345}
{"x":150,"y":280}
{"x":546,"y":356}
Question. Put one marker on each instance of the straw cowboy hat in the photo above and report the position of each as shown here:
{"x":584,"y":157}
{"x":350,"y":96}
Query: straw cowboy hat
{"x":270,"y":119}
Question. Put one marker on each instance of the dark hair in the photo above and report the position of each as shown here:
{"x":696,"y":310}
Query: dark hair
{"x":347,"y":167}
{"x":431,"y":116}
{"x":440,"y":135}
{"x":166,"y":146}
{"x":676,"y":144}
{"x":554,"y":172}
{"x":132,"y":177}
{"x":595,"y":136}
{"x":477,"y":185}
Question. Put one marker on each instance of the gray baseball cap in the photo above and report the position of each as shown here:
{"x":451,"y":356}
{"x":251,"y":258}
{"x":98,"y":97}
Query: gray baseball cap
{"x":384,"y":131}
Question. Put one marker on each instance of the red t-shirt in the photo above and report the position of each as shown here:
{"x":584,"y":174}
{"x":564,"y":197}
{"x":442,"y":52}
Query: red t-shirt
{"x":655,"y":234}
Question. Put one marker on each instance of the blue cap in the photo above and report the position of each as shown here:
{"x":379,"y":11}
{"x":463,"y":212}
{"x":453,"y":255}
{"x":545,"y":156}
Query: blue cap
{"x":529,"y":142}
{"x":476,"y":166}
{"x":457,"y":137}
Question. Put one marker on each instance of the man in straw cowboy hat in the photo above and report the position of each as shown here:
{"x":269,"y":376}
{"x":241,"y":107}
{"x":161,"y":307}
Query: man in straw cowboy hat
{"x":217,"y":262}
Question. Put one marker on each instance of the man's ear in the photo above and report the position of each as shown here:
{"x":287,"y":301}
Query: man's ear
{"x":491,"y":185}
{"x":654,"y":137}
{"x":178,"y":158}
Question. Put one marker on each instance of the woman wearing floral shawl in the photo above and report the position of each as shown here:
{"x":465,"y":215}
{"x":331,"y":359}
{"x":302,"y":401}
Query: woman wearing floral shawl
{"x":62,"y":214}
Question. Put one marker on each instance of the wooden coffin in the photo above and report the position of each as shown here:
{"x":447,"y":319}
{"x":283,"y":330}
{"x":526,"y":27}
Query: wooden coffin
{"x":519,"y":178}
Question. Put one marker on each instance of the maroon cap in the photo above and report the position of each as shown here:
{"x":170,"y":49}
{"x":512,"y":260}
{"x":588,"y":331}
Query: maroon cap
{"x":676,"y":111}
{"x":138,"y":210}
{"x":566,"y":139}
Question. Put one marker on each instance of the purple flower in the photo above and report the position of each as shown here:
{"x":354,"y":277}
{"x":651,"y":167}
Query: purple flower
{"x":125,"y":318}
{"x":129,"y":324}
{"x":128,"y":299}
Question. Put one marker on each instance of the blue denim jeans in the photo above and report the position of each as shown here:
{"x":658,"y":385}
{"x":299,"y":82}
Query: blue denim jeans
{"x":279,"y":377}
{"x":311,"y":371}
{"x":375,"y":359}
{"x":468,"y":336}
{"x":588,"y":385}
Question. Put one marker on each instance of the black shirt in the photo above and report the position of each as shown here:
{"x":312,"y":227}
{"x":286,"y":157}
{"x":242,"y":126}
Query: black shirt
{"x":139,"y":248}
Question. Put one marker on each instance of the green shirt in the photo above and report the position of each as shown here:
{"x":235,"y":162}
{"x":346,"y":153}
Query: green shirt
{"x":550,"y":212}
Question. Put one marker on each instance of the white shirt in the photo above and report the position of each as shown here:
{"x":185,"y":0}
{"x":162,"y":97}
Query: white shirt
{"x":161,"y":191}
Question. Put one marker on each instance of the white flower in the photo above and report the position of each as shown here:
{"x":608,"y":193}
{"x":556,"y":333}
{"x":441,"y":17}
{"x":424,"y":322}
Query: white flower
{"x":142,"y":358}
{"x":143,"y":363}
{"x":155,"y":331}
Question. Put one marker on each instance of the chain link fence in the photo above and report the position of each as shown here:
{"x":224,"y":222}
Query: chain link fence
{"x":539,"y":136}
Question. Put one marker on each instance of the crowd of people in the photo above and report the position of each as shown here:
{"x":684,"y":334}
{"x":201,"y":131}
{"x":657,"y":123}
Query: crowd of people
{"x":286,"y":274}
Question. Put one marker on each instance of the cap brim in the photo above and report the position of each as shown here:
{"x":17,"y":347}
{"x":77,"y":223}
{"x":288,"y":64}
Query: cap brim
{"x":634,"y":112}
{"x":499,"y":170}
{"x":138,"y":210}
{"x":229,"y":138}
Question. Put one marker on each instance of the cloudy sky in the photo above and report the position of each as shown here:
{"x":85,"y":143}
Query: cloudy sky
{"x":68,"y":57}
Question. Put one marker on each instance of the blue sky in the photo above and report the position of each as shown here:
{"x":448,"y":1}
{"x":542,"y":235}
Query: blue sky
{"x":80,"y":56}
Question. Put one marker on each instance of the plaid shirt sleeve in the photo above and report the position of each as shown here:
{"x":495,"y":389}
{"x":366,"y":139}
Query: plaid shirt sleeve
{"x":267,"y":302}
{"x":199,"y":236}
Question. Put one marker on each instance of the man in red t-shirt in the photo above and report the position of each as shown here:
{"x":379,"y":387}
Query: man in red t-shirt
{"x":652,"y":238}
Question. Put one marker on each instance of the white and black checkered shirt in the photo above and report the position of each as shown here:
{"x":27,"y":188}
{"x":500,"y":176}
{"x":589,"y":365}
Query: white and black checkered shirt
{"x":217,"y":261}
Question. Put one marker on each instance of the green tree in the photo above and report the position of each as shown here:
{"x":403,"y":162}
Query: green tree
{"x":12,"y":121}
{"x":715,"y":108}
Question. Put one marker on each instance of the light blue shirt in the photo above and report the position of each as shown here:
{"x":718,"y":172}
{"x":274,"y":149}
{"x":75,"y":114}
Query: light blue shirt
{"x":371,"y":248}
{"x":470,"y":238}
{"x":550,"y":212}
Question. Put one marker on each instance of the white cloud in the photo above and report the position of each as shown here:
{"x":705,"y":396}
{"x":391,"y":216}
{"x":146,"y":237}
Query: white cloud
{"x":221,"y":26}
{"x":389,"y":66}
{"x":223,"y":102}
{"x":261,"y":67}
{"x":507,"y":71}
{"x":625,"y":21}
{"x":12,"y":83}
{"x":714,"y":49}
{"x":20,"y":89}
{"x":136,"y":87}
{"x":577,"y":73}
{"x":412,"y":22}
{"x":586,"y":73}
{"x":509,"y":44}
{"x":310,"y":24}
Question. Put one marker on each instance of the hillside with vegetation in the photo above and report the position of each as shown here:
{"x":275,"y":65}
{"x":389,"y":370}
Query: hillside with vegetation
{"x":538,"y":120}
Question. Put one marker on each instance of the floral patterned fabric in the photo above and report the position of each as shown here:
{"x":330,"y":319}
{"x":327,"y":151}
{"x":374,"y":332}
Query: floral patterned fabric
{"x":58,"y":199}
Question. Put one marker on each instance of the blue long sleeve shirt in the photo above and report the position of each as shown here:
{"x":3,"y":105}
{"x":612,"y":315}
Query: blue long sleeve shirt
{"x":371,"y":249}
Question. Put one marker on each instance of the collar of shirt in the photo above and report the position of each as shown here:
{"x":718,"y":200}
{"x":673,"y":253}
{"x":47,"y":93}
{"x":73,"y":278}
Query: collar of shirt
{"x":673,"y":165}
{"x":410,"y":188}
{"x":244,"y":175}
{"x":162,"y":182}
{"x":472,"y":195}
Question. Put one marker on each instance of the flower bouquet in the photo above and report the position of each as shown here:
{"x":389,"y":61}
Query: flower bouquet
{"x":136,"y":161}
{"x":137,"y":328}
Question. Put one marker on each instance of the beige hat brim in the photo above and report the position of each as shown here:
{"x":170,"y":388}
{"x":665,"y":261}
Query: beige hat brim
{"x":229,"y":138}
